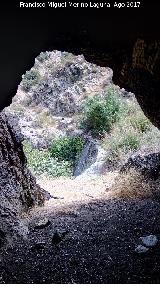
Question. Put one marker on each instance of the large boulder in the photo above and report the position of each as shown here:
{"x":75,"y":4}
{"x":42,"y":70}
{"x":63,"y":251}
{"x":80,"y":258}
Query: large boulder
{"x":148,"y":165}
{"x":18,"y":189}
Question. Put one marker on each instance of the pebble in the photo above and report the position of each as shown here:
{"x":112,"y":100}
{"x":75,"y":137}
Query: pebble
{"x":141,"y":249}
{"x":149,"y":241}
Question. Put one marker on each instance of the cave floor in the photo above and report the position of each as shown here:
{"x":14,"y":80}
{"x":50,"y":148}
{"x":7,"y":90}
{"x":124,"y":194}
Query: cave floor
{"x":97,"y":243}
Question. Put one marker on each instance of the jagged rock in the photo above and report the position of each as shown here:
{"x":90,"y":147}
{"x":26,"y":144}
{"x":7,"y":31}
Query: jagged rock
{"x":149,"y":241}
{"x":47,"y":111}
{"x":18,"y":188}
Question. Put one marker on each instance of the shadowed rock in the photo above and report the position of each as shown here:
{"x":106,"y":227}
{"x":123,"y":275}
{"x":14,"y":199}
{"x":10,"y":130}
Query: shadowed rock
{"x":18,"y":189}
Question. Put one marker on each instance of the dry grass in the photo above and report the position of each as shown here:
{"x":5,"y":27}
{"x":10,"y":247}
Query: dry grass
{"x":132,"y":185}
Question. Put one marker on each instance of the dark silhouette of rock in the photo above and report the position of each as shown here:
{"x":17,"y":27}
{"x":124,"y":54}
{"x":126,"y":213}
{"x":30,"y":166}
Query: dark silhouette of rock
{"x":18,"y":189}
{"x":38,"y":247}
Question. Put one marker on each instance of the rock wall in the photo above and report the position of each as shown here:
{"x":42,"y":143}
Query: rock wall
{"x":142,"y":74}
{"x":18,"y":188}
{"x":137,"y":69}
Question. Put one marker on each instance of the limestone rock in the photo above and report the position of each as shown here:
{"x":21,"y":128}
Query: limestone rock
{"x":92,"y":160}
{"x":149,"y":165}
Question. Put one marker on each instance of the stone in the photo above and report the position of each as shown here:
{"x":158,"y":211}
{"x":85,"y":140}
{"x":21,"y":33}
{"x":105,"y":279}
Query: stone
{"x":92,"y":160}
{"x":58,"y":237}
{"x":43,"y":223}
{"x":141,"y":249}
{"x":149,"y":241}
{"x":59,"y":95}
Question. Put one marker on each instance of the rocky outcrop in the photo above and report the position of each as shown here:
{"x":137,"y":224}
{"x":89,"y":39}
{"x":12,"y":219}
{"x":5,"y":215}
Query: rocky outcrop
{"x":148,"y":165}
{"x":51,"y":106}
{"x":104,"y":38}
{"x":18,"y":188}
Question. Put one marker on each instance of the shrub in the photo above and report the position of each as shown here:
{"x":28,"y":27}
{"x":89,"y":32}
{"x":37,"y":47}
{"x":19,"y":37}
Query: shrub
{"x":100,"y":113}
{"x":41,"y":162}
{"x":29,"y":79}
{"x":67,"y":149}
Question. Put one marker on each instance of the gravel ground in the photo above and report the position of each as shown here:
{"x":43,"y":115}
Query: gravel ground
{"x":86,"y":238}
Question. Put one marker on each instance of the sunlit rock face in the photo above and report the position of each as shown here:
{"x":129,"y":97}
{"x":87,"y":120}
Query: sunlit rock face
{"x":18,"y":188}
{"x":50,"y":106}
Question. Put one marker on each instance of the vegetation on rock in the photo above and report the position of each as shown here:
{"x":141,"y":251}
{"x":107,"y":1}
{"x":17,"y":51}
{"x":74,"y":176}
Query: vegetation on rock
{"x":100,"y":113}
{"x":30,"y":78}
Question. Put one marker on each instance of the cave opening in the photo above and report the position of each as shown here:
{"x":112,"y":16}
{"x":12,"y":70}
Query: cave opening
{"x":77,"y":124}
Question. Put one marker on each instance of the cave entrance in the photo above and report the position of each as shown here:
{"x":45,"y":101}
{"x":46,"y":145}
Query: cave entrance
{"x":76,"y":123}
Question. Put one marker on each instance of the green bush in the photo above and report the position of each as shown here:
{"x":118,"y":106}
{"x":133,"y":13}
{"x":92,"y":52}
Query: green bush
{"x":41,"y":162}
{"x":67,"y":149}
{"x":29,"y":79}
{"x":100,"y":113}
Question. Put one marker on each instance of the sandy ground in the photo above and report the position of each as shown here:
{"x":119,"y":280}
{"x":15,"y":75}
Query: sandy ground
{"x":70,"y":193}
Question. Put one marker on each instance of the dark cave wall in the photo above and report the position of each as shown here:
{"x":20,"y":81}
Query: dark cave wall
{"x":18,"y":188}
